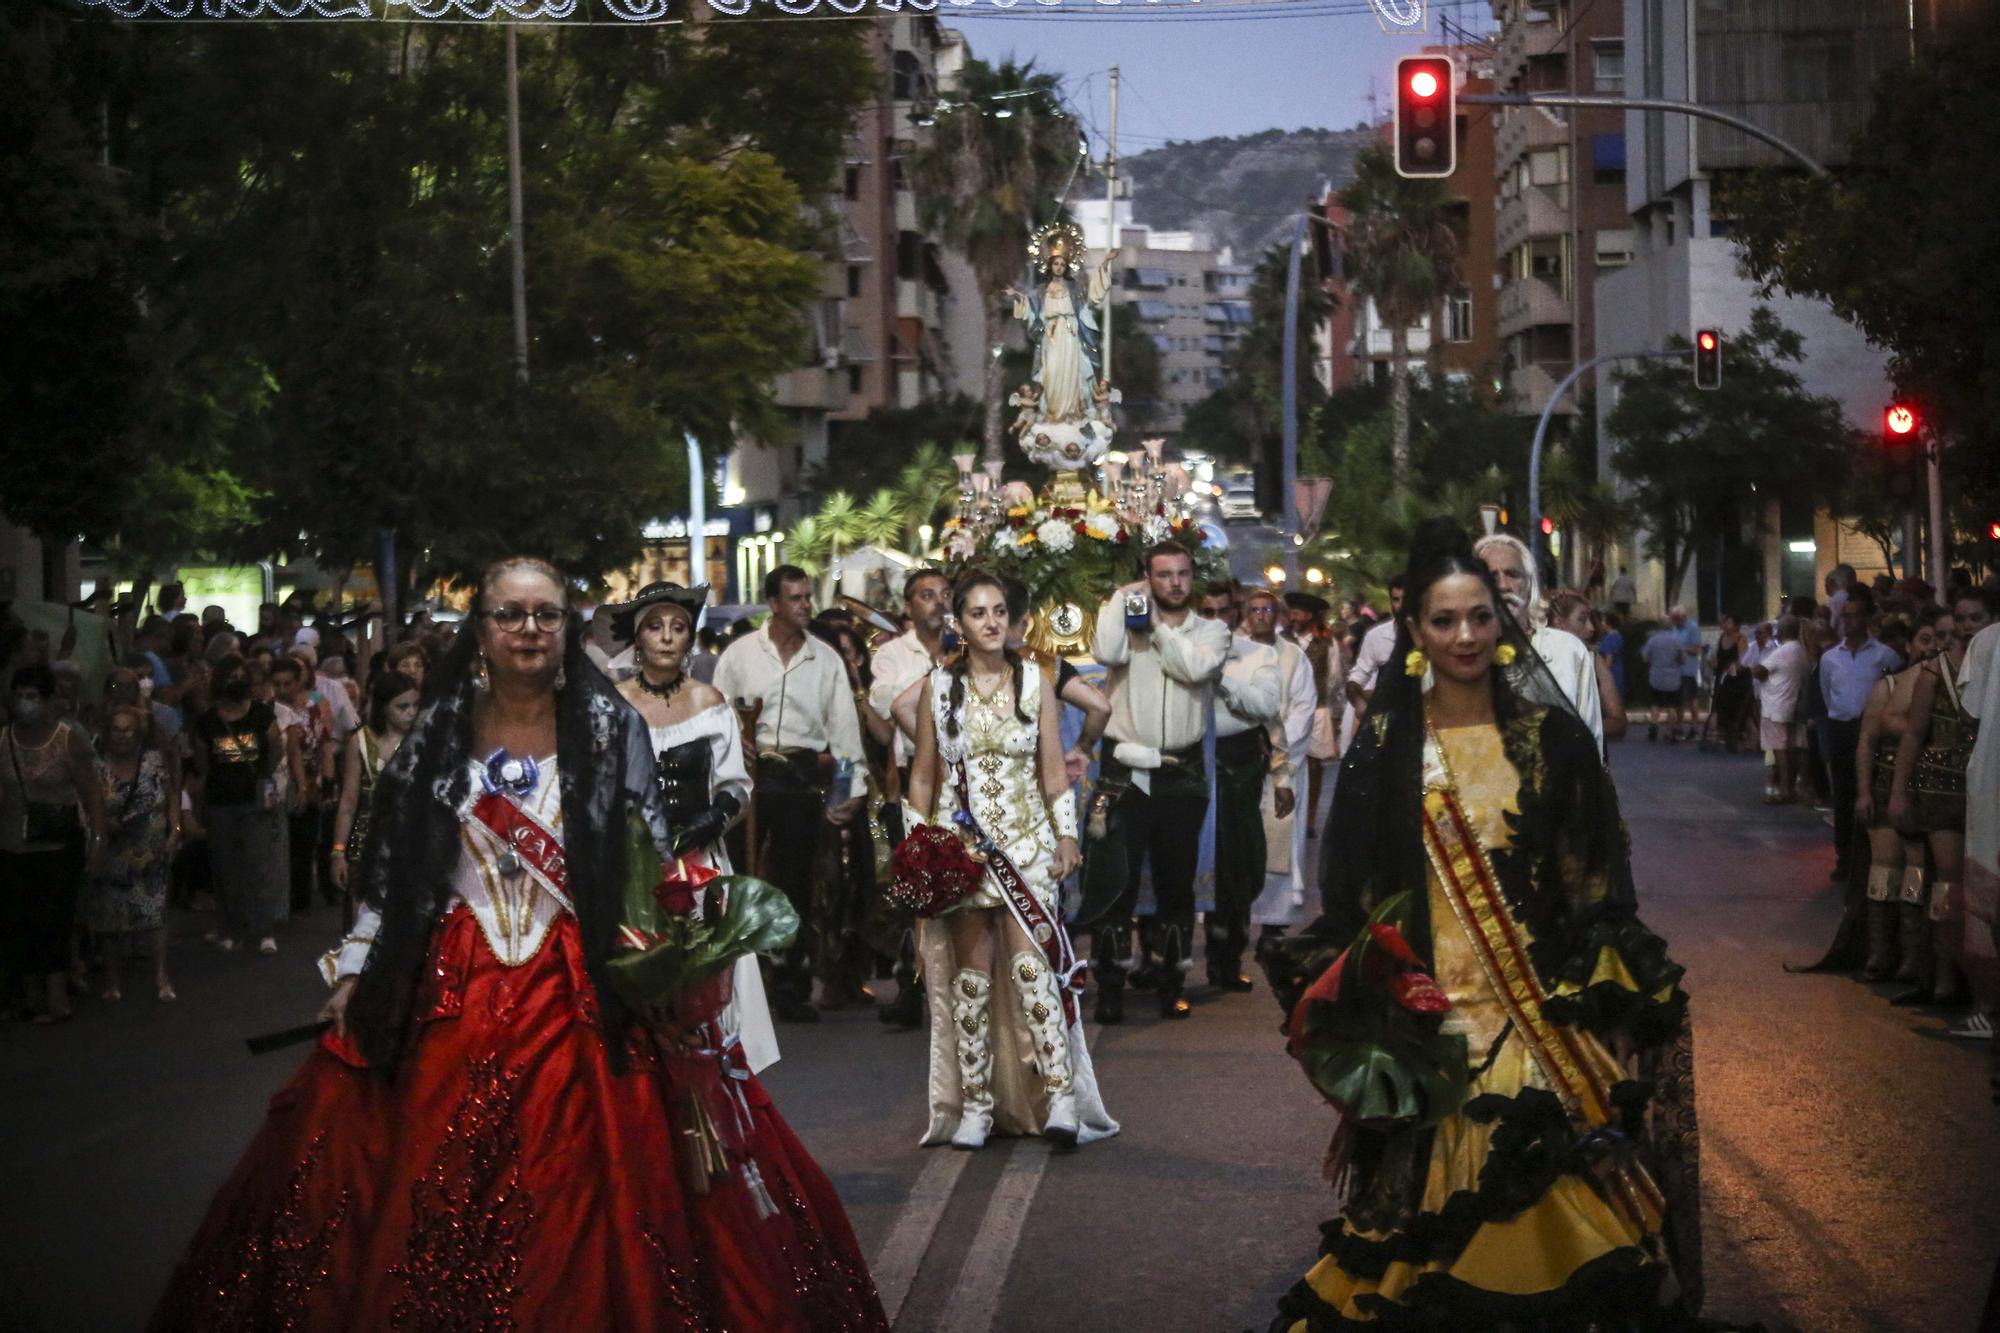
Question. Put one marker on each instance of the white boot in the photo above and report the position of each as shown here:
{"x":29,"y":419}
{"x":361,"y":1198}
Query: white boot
{"x":971,"y":1014}
{"x":1041,"y":1003}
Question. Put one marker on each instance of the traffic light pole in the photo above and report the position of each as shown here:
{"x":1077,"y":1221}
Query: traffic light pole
{"x":1542,"y":431}
{"x":1940,"y":572}
{"x":1644,"y":104}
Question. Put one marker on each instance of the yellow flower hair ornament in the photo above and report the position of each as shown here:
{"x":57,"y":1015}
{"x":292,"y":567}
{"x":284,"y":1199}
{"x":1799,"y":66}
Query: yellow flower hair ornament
{"x":1505,"y":654}
{"x":1416,"y":663}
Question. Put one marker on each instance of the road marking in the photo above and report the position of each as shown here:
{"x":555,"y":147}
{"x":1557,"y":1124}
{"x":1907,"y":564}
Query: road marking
{"x":975,"y":1301}
{"x":896,"y":1263}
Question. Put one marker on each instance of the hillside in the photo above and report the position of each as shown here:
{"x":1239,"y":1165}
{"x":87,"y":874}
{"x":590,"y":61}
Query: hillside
{"x":1242,"y":191}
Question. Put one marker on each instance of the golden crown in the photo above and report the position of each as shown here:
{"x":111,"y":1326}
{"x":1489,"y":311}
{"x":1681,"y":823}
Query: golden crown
{"x":1057,"y":238}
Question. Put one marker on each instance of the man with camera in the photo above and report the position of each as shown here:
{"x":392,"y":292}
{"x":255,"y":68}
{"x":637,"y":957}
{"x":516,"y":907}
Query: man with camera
{"x":1161,"y":663}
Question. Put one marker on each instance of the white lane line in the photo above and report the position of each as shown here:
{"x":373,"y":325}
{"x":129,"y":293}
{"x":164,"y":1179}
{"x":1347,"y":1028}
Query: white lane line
{"x":975,"y":1302}
{"x":896,"y":1263}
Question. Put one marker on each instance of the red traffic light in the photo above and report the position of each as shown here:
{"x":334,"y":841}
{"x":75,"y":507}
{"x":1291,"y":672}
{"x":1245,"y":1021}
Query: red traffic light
{"x":1707,"y":340}
{"x":1548,"y":527}
{"x":1426,"y":119}
{"x":1993,"y":531}
{"x":1707,"y":359}
{"x":1899,"y":421}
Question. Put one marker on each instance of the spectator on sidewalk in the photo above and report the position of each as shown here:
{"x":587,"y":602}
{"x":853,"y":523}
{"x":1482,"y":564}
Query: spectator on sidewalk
{"x":127,"y":898}
{"x":1847,"y":672}
{"x":1611,"y":647}
{"x":238,"y":755}
{"x":1623,"y":592}
{"x":1782,"y":673}
{"x":1663,"y":675}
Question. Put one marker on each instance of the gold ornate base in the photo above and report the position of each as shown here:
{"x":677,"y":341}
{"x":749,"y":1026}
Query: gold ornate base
{"x":1062,"y":630}
{"x":1065,"y":490}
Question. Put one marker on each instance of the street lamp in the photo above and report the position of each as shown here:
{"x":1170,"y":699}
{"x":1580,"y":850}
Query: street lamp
{"x":1276,"y":574}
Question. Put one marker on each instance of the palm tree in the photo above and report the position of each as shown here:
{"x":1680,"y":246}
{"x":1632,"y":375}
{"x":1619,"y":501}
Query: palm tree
{"x":988,"y":176}
{"x":1401,"y":252}
{"x":926,"y":483}
{"x":880,"y":521}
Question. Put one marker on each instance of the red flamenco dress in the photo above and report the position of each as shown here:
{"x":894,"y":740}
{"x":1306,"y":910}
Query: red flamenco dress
{"x":512,"y":1175}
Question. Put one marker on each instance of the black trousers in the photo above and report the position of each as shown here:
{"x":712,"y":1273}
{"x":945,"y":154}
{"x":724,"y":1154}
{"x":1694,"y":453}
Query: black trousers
{"x":1242,"y":763}
{"x":1160,"y":829}
{"x":791,"y":819}
{"x":305,"y":831}
{"x":1837,"y":740}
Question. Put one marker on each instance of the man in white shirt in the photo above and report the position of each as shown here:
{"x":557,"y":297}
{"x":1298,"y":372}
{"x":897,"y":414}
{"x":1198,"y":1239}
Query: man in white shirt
{"x":1282,"y":900}
{"x":1152,"y":796}
{"x":1246,"y":705}
{"x":1782,"y":672}
{"x":806,"y":727}
{"x":1376,"y":646}
{"x":899,"y":664}
{"x":1566,"y":656}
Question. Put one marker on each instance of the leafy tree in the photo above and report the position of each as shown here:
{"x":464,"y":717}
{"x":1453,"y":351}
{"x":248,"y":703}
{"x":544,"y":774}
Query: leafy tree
{"x":986,"y":182}
{"x":1903,"y":244}
{"x":874,"y":451}
{"x":1697,"y":460}
{"x":1401,"y":252}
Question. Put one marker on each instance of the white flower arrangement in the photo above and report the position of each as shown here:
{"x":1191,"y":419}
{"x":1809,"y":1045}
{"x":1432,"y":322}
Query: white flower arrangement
{"x":1102,"y":526}
{"x":1055,"y":534}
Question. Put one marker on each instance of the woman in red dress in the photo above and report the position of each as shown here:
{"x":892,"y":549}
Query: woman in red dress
{"x":487,"y":1138}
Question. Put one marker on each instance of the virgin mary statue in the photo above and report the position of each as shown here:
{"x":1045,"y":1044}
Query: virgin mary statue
{"x":1061,"y":314}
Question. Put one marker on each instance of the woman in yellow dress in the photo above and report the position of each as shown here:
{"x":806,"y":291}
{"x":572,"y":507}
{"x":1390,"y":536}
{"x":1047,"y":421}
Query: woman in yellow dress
{"x":1505,"y":1043}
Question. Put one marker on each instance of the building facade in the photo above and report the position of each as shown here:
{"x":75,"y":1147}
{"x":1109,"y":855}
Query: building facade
{"x":1804,"y":73}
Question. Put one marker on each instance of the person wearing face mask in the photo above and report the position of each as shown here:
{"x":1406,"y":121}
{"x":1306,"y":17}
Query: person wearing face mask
{"x":237,"y":750}
{"x":128,"y":882}
{"x":1532,"y":1165}
{"x":1568,"y":660}
{"x":51,"y":821}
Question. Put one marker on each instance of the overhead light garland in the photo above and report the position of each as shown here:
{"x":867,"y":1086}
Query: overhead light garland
{"x":1400,"y":13}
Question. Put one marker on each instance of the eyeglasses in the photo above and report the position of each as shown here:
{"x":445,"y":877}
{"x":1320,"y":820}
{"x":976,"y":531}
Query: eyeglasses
{"x":514,"y":619}
{"x":1261,"y":609}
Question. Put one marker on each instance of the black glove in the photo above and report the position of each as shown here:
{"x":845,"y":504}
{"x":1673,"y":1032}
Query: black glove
{"x":708,"y":826}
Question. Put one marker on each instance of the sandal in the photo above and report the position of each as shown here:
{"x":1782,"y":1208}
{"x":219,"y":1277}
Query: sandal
{"x":167,"y":991}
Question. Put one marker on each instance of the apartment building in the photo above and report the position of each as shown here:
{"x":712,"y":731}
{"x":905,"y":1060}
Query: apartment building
{"x":897,"y":320}
{"x":1560,"y":209}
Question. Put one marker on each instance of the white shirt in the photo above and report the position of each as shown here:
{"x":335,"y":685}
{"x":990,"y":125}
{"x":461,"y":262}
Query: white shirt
{"x":1373,"y":655}
{"x":1249,"y":689}
{"x":1753,"y":653}
{"x":898,"y":664}
{"x":1158,"y":681}
{"x":1571,"y":662}
{"x":1787,"y":664}
{"x":807,"y":705}
{"x":1292,"y":731}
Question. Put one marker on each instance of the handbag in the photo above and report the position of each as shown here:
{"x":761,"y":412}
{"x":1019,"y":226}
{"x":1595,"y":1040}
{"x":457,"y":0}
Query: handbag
{"x":42,"y":821}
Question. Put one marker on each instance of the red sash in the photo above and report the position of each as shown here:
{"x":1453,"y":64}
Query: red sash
{"x":539,"y":849}
{"x":1047,"y":932}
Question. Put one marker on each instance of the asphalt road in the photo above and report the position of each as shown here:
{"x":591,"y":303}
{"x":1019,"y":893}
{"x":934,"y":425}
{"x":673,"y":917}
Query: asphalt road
{"x":1851,"y":1157}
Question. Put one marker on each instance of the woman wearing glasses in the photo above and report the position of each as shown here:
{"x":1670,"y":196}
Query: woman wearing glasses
{"x":487,"y":1137}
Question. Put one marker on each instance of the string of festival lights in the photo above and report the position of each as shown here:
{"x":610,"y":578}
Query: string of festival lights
{"x":1405,"y":15}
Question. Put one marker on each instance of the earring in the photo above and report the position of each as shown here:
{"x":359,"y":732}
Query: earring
{"x":480,"y":680}
{"x":1416,"y":663}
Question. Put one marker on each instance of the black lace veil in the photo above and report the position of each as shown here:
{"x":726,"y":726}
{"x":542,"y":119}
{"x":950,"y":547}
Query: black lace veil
{"x":605,"y":764}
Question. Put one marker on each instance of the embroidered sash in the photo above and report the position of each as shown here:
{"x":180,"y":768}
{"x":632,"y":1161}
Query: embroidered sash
{"x":1046,"y":931}
{"x":540,"y":850}
{"x":1466,"y":876}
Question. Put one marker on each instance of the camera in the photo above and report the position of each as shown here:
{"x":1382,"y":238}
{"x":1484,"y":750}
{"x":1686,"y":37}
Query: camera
{"x":1138,"y":611}
{"x":951,"y":639}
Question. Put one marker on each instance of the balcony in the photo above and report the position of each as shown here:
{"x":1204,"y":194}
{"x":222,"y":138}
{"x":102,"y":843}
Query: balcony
{"x":1534,"y":211}
{"x":1529,"y":388}
{"x":1526,"y":302}
{"x":1523,"y":129}
{"x":812,"y":388}
{"x":1523,"y":40}
{"x":906,"y":210}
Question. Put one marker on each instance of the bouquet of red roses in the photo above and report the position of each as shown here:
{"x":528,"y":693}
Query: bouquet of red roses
{"x":933,"y":870}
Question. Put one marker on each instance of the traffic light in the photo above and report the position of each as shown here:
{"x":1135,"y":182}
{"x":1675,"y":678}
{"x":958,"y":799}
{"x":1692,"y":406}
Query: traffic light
{"x":1707,"y":359}
{"x":1899,"y":425}
{"x":1426,"y":127}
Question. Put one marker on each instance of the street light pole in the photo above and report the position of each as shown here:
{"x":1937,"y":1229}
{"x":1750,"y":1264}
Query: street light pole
{"x":1110,"y":221}
{"x":515,"y":225}
{"x":1542,"y":430}
{"x":1289,"y":450}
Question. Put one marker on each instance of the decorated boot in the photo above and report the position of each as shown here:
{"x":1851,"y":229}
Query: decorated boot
{"x":1041,"y":1003}
{"x":971,"y":1014}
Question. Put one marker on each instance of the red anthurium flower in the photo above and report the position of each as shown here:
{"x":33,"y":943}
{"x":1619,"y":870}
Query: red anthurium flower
{"x":1416,"y":992}
{"x":1391,"y":941}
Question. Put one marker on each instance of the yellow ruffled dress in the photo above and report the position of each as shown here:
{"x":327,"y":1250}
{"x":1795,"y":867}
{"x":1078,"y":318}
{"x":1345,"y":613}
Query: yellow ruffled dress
{"x":1520,"y":1259}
